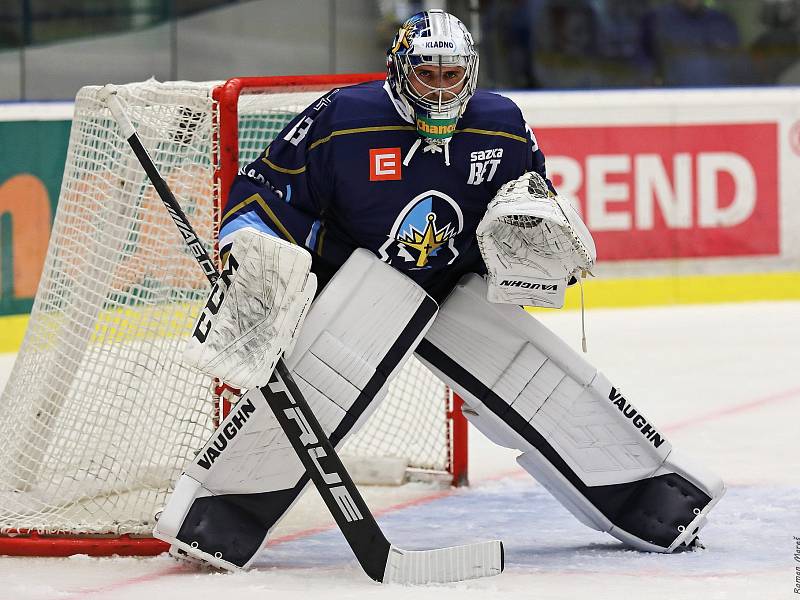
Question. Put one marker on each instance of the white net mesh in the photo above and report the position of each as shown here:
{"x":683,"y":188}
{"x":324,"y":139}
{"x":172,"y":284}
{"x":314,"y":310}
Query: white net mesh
{"x":100,"y":414}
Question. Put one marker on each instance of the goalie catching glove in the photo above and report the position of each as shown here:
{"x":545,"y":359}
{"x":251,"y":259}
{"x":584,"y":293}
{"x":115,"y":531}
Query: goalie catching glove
{"x":254,"y":310}
{"x":532,"y":242}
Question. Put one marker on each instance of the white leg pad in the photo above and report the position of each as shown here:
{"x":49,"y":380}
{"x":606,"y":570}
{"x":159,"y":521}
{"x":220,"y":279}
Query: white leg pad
{"x":357,"y":335}
{"x":525,"y":388}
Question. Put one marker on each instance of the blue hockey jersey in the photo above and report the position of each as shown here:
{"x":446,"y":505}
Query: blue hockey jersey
{"x":351,"y":171}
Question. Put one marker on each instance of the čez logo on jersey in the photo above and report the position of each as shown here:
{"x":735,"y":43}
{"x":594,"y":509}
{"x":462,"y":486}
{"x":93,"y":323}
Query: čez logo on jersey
{"x":385,"y":164}
{"x":483,"y":165}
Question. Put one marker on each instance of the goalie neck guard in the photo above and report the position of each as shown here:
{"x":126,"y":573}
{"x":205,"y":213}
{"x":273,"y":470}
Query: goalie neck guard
{"x":437,"y":39}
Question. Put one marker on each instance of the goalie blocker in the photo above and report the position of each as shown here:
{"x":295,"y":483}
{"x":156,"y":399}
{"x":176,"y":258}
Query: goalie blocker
{"x":254,"y":310}
{"x":579,"y":435}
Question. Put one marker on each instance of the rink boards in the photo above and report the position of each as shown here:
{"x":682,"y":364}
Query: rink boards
{"x":688,"y":193}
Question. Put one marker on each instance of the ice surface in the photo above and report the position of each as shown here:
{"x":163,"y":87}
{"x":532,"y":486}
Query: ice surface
{"x":723,"y":382}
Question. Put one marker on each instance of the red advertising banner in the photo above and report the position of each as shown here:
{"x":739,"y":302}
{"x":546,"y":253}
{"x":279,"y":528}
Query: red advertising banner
{"x":670,"y":191}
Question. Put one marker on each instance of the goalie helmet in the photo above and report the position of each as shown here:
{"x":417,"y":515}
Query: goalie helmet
{"x":440,"y":40}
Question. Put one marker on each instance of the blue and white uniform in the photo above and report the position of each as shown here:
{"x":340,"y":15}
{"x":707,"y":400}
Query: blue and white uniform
{"x":351,"y":171}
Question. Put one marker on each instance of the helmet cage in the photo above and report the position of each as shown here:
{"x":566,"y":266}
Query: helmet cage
{"x":437,"y":102}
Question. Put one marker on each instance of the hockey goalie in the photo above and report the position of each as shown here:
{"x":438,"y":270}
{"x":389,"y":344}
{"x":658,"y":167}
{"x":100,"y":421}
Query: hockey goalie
{"x":414,"y":215}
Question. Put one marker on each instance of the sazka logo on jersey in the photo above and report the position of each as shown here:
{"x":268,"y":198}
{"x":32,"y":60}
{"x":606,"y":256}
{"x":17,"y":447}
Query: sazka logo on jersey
{"x":483,"y":165}
{"x":424,"y":232}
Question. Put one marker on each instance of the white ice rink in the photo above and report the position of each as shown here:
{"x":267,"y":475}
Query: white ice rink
{"x":722,"y":381}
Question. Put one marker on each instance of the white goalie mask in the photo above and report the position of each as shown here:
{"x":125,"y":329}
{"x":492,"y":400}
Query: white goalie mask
{"x":438,"y":40}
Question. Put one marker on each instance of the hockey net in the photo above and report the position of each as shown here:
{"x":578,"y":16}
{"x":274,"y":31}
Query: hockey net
{"x":100,"y":414}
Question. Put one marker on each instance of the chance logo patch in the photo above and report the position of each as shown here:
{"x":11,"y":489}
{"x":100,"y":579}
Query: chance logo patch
{"x":385,"y":164}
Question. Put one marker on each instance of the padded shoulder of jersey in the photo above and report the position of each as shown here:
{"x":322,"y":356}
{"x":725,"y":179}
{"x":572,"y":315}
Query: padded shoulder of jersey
{"x":487,"y":110}
{"x":359,"y":105}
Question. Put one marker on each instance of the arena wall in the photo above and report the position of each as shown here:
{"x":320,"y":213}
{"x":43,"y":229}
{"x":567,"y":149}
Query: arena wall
{"x":691,"y":195}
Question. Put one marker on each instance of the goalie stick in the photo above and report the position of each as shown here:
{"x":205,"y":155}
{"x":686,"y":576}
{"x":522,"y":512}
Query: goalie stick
{"x":381,"y":560}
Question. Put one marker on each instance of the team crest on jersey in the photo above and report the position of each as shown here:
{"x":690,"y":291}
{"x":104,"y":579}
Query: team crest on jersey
{"x":424,"y":233}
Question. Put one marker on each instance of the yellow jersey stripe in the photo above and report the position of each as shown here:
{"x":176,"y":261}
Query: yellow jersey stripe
{"x":275,"y":167}
{"x":327,"y":138}
{"x":223,"y":258}
{"x":519,"y":138}
{"x":339,"y":132}
{"x":320,"y":241}
{"x":262,"y":203}
{"x":236,"y":208}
